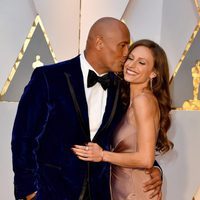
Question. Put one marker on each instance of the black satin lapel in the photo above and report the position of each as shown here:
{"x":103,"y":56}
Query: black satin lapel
{"x":77,"y":92}
{"x":111,"y":106}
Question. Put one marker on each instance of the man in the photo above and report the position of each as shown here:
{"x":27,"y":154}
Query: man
{"x":60,"y":107}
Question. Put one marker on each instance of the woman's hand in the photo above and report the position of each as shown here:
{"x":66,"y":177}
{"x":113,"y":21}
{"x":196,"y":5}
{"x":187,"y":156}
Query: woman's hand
{"x":91,"y":152}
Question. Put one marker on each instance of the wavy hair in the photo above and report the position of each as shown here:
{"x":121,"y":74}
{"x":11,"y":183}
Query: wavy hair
{"x":160,"y":89}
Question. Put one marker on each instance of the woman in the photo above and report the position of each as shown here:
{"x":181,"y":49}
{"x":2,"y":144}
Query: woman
{"x":144,"y":126}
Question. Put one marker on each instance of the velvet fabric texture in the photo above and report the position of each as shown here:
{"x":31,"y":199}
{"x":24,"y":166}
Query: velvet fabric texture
{"x":52,"y":116}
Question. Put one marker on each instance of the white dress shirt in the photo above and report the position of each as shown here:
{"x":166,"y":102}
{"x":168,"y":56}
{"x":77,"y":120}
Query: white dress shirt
{"x":96,"y":98}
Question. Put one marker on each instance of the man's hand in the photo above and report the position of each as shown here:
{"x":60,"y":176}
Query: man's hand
{"x":155,"y":183}
{"x":31,"y":196}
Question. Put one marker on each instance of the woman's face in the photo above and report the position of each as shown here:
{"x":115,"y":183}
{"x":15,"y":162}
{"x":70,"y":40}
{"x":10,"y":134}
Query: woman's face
{"x":138,"y":68}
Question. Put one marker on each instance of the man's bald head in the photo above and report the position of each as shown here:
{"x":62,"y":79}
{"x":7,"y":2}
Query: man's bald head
{"x":107,"y":45}
{"x":105,"y":27}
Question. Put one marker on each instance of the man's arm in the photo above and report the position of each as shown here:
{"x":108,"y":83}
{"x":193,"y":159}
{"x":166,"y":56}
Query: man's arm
{"x":31,"y":115}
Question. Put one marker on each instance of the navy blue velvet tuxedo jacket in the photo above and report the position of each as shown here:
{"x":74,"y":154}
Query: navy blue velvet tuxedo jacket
{"x":52,"y":116}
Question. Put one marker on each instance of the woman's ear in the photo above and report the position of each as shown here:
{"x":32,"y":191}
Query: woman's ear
{"x":153,"y":75}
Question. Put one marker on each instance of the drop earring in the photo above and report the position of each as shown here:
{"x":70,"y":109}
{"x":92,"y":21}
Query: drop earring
{"x":151,"y":84}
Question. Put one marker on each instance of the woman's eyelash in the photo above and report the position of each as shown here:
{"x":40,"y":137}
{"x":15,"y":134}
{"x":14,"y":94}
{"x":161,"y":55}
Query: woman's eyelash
{"x":142,"y":63}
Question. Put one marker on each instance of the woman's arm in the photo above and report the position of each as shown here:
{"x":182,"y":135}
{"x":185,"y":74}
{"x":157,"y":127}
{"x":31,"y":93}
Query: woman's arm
{"x":143,"y":115}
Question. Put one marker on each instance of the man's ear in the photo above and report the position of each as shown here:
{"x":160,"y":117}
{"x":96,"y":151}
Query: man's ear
{"x":99,"y":43}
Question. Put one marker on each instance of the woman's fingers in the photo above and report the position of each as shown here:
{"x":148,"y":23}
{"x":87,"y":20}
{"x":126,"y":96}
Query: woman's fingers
{"x":90,"y":152}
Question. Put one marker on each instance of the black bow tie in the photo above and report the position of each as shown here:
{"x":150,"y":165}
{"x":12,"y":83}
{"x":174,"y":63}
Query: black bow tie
{"x":103,"y":80}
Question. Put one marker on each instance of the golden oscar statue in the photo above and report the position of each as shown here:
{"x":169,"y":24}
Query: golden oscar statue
{"x":194,"y":104}
{"x":37,"y":62}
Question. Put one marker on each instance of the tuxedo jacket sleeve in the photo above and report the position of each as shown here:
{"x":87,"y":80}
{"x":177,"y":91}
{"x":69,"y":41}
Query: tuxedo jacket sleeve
{"x":30,"y":122}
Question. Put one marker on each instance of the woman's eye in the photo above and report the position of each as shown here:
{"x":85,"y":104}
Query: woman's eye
{"x":129,"y":58}
{"x":142,"y":63}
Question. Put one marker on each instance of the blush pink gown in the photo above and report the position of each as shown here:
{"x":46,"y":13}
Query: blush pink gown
{"x":127,"y":183}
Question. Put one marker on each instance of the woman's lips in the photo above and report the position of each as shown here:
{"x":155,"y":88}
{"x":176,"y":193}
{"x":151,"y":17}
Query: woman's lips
{"x":131,"y":72}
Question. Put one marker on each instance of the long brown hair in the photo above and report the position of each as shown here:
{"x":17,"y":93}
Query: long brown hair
{"x":160,"y":88}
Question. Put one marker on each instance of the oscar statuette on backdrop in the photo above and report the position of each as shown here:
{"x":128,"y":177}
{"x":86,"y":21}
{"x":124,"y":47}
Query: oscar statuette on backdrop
{"x":194,"y":104}
{"x":37,"y":62}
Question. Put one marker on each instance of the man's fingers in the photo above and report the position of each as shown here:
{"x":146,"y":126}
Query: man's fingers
{"x":160,"y":196}
{"x":152,"y":185}
{"x":153,"y":182}
{"x":31,"y":196}
{"x":156,"y":192}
